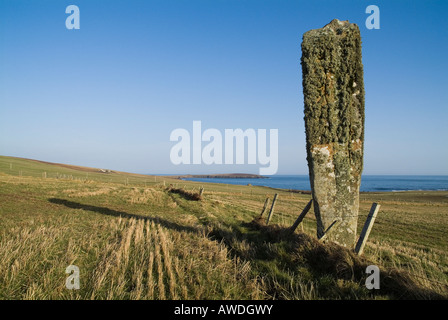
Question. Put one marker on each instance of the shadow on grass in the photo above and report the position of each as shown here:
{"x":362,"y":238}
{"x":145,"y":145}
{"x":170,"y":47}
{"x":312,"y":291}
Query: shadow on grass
{"x":288,"y":252}
{"x":292,"y":251}
{"x":114,"y":213}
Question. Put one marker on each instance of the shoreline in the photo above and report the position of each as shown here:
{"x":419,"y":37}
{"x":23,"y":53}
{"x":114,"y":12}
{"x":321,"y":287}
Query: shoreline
{"x":299,"y":184}
{"x":299,"y":191}
{"x":220,"y":176}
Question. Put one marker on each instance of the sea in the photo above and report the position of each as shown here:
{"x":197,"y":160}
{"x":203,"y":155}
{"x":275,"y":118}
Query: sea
{"x":369,"y":183}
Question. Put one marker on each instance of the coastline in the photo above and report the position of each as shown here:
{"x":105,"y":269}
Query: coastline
{"x":220,"y":176}
{"x":300,"y":183}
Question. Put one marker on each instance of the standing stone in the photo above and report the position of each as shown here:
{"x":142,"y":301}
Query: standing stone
{"x":333,"y":89}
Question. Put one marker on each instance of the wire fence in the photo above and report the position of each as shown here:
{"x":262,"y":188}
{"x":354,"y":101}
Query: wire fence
{"x":91,"y":176}
{"x":287,"y":219}
{"x":282,"y":218}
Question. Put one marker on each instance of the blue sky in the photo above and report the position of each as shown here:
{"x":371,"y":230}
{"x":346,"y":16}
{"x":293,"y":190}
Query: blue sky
{"x":109,"y":94}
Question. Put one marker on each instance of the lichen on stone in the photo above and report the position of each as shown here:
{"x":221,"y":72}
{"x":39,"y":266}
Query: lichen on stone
{"x":333,"y":90}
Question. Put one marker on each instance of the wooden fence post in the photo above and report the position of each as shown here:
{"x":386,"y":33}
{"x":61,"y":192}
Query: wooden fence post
{"x":201,"y":191}
{"x":332,"y":227}
{"x":272,"y":208}
{"x":301,"y":216}
{"x":264,"y":207}
{"x":367,"y":228}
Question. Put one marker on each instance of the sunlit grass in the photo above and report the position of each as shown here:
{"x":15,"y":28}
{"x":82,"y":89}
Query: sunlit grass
{"x":133,"y":238}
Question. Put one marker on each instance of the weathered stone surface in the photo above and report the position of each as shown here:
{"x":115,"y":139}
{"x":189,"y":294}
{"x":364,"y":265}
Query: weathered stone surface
{"x":333,"y":90}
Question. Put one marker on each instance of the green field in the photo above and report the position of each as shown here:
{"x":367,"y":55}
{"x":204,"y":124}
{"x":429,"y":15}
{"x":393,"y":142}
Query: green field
{"x":133,"y":237}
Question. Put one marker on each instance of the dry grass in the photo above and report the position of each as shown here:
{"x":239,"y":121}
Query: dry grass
{"x":84,"y":192}
{"x":146,"y":241}
{"x":145,"y":195}
{"x":140,"y":260}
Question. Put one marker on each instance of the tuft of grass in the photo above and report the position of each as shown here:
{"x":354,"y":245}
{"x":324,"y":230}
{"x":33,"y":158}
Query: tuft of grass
{"x":189,"y":195}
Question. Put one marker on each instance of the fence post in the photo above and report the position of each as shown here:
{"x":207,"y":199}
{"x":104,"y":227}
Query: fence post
{"x":301,"y":216}
{"x":201,"y":191}
{"x":264,"y":207}
{"x":272,"y":208}
{"x":367,"y":228}
{"x":332,"y":227}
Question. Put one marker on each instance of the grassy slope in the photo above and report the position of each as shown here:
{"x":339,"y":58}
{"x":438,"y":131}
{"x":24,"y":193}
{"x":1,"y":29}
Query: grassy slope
{"x":134,"y":239}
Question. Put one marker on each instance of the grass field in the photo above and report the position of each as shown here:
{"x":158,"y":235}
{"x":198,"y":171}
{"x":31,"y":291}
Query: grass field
{"x":133,"y":237}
